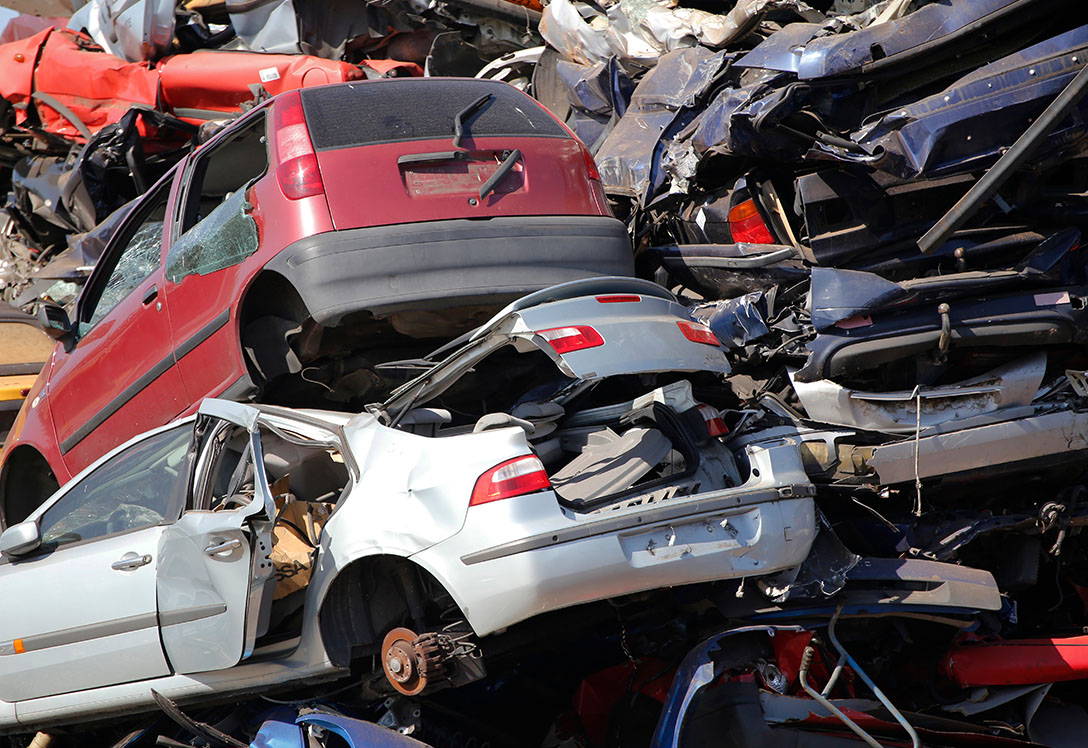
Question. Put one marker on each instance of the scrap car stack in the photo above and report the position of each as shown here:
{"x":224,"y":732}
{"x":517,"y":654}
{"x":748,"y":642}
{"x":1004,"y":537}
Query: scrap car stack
{"x":437,"y":451}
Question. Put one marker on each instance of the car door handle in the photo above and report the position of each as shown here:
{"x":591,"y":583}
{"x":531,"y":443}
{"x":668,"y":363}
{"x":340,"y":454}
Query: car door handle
{"x":131,"y":561}
{"x":150,"y":295}
{"x":226,"y":546}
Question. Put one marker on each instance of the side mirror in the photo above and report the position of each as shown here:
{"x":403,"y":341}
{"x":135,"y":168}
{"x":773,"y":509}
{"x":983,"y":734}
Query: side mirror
{"x":54,"y":320}
{"x":20,"y":539}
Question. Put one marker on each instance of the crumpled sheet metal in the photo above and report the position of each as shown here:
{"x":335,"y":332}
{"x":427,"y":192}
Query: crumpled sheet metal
{"x":321,"y":28}
{"x":131,"y":29}
{"x":1010,"y":385}
{"x":971,"y":122}
{"x":642,"y":30}
{"x":813,"y":51}
{"x":99,"y":88}
{"x":737,"y":322}
{"x":738,"y":120}
{"x":224,"y":81}
{"x":563,"y":27}
{"x":266,"y":27}
{"x":598,"y":96}
{"x":628,"y":158}
{"x":838,"y":294}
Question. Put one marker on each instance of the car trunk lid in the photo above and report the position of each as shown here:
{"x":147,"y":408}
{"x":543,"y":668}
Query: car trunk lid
{"x":392,"y":151}
{"x":590,"y":329}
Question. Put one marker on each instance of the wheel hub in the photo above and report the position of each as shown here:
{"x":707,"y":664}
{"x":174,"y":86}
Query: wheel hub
{"x":400,"y":662}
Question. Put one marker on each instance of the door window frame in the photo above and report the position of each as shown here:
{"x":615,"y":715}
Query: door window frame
{"x":175,"y":507}
{"x":119,"y":242}
{"x":207,"y":150}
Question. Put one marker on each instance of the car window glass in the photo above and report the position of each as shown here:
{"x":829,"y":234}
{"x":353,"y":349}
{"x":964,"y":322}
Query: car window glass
{"x":217,"y":230}
{"x":226,"y":237}
{"x":142,"y":486}
{"x":139,"y":258}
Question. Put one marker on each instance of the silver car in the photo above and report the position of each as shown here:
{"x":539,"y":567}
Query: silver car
{"x":555,"y":457}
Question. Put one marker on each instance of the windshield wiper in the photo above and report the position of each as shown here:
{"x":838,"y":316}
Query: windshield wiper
{"x":504,"y":168}
{"x":458,"y":119}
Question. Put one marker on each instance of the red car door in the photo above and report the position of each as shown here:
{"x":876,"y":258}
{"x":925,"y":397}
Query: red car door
{"x":213,"y":234}
{"x":120,"y":377}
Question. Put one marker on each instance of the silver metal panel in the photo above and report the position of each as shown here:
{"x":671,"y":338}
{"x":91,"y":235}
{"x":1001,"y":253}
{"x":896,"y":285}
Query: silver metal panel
{"x":190,"y":578}
{"x":995,"y":444}
{"x":1013,"y":384}
{"x":88,"y":618}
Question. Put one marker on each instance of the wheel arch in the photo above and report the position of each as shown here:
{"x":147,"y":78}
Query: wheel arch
{"x":269,"y":297}
{"x":376,"y":593}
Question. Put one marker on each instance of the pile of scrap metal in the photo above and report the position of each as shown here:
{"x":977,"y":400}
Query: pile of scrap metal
{"x":96,"y":107}
{"x":878,"y":208}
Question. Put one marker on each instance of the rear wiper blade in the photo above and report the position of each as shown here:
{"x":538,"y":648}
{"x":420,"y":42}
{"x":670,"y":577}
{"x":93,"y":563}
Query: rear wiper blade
{"x":458,"y":119}
{"x":502,"y":171}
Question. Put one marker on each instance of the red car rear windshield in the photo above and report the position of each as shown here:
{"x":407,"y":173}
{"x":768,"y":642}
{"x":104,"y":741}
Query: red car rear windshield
{"x":385,"y":111}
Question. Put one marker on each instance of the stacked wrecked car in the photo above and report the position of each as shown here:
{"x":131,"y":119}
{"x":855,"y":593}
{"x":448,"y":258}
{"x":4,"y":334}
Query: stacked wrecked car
{"x":816,"y":478}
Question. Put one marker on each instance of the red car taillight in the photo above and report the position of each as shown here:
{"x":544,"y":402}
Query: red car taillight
{"x":619,"y":298}
{"x":712,"y":417}
{"x":697,"y":332}
{"x":515,"y":477}
{"x":574,"y":338}
{"x":591,"y":166}
{"x":746,"y":224}
{"x":297,"y":172}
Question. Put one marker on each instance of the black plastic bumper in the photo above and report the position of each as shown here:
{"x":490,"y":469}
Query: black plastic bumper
{"x":442,"y":264}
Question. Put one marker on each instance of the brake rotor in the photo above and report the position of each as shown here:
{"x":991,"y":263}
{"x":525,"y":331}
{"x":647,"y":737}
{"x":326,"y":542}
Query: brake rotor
{"x":399,"y":661}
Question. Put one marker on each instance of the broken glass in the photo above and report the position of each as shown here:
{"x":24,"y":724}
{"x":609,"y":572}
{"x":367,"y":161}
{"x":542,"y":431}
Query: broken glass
{"x":226,"y":237}
{"x":138,"y":261}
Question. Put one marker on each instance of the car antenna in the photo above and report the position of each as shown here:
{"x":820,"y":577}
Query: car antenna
{"x":458,"y":119}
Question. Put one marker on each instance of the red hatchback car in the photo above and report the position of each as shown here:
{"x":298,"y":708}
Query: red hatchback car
{"x":295,"y":255}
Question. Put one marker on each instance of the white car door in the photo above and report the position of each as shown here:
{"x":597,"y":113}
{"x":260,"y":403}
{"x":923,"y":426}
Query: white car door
{"x":215,"y":580}
{"x":80,"y":612}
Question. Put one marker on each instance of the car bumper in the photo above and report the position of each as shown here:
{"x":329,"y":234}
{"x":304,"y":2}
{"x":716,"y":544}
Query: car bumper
{"x":719,"y":535}
{"x":443,"y":264}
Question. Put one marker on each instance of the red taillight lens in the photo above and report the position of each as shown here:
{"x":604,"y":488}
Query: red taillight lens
{"x":515,"y":477}
{"x":300,"y":177}
{"x":591,"y":165}
{"x":575,"y":338}
{"x":697,"y":332}
{"x":618,"y":298}
{"x":746,"y":224}
{"x":297,"y":172}
{"x":712,"y":417}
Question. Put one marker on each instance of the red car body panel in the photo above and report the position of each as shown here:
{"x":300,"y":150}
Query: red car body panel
{"x":34,"y":425}
{"x":220,"y":80}
{"x":216,"y":362}
{"x":99,"y":87}
{"x":442,"y":189}
{"x":155,"y":356}
{"x":1016,"y":662}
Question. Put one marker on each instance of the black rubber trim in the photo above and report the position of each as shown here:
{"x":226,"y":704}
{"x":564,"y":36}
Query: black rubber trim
{"x":11,"y":370}
{"x":643,"y":520}
{"x":146,"y":379}
{"x":437,"y":265}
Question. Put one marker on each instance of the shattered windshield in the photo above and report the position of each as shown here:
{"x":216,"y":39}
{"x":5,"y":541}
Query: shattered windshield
{"x":226,"y":237}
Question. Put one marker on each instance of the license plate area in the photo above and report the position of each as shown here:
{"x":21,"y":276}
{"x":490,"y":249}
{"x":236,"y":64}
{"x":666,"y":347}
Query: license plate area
{"x":716,"y":534}
{"x":462,"y":176}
